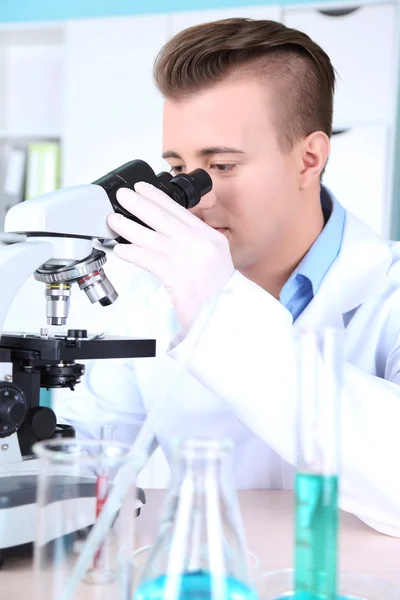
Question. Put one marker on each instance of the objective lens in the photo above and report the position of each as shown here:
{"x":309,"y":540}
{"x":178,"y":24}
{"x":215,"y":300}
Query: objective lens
{"x":57,"y":303}
{"x":98,"y":288}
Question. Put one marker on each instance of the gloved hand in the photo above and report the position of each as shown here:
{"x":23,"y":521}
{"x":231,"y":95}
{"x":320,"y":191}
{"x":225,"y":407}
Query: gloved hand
{"x":190,"y":258}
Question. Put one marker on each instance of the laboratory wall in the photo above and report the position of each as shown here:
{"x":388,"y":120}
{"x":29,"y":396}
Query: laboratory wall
{"x":77,"y":99}
{"x":21,"y":11}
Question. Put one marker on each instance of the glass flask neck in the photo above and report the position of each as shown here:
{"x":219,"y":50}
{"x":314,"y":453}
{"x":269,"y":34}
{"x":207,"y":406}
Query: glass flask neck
{"x":202,"y":462}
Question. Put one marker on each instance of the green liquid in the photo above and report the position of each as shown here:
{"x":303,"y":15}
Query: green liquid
{"x":316,"y":537}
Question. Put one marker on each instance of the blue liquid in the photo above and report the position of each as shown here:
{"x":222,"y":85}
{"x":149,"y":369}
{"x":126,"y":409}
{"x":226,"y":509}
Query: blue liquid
{"x":316,"y":536}
{"x":197,"y":585}
{"x":305,"y":596}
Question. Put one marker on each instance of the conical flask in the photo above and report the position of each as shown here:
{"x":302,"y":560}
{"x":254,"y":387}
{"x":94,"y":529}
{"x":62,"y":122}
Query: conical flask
{"x":200,"y":551}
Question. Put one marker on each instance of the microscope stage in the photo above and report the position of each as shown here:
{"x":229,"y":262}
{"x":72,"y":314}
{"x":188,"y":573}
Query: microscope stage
{"x":65,"y":348}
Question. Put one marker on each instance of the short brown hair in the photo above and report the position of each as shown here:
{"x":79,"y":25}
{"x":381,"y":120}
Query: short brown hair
{"x":203,"y":55}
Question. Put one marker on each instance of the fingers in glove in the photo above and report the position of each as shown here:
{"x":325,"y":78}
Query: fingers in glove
{"x":161,"y":199}
{"x":139,"y":235}
{"x":163,"y":219}
{"x":145,"y":258}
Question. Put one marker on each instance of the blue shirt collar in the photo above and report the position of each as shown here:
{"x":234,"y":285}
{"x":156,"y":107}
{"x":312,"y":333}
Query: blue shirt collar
{"x":326,"y":247}
{"x":323,"y":252}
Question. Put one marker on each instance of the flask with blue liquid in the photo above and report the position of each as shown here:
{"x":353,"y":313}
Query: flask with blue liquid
{"x":200,"y":550}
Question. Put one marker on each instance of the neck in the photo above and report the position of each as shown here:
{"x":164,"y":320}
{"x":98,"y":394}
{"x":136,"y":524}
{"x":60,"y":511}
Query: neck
{"x":286,"y":251}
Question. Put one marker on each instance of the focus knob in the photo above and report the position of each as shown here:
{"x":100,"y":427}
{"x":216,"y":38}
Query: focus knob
{"x":13,"y":408}
{"x":11,"y":412}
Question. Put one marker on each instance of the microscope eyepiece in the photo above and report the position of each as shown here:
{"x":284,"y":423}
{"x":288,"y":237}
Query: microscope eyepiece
{"x":186,"y":189}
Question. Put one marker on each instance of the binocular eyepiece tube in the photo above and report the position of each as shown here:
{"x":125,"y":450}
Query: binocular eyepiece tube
{"x":186,"y":189}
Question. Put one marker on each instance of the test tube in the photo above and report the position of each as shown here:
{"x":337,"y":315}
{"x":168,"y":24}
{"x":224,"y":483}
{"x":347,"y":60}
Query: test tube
{"x":320,"y":366}
{"x":103,"y":486}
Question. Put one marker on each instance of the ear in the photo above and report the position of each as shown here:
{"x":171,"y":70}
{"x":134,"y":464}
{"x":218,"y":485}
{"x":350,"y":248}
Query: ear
{"x":314,"y":150}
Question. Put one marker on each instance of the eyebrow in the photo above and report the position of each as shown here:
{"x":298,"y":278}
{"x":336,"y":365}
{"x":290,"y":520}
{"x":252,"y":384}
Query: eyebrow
{"x":206,"y":152}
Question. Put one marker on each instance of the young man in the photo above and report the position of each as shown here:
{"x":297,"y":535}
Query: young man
{"x":266,"y":252}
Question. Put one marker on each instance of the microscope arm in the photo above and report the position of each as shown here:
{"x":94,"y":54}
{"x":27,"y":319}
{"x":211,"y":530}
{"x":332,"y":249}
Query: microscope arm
{"x":60,"y":229}
{"x":79,"y":211}
{"x":17,"y":263}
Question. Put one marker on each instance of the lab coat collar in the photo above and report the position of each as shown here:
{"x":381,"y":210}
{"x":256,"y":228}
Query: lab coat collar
{"x":358,"y":274}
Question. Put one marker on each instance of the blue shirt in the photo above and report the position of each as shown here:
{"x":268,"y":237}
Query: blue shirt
{"x":305,"y":281}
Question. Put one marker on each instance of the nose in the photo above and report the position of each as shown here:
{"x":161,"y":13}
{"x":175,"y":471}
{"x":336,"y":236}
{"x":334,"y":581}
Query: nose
{"x":206,"y":202}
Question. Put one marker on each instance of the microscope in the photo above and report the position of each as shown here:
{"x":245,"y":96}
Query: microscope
{"x":57,"y":233}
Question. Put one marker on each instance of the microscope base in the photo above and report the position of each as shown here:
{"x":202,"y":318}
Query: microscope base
{"x":18,"y":524}
{"x":18,"y":508}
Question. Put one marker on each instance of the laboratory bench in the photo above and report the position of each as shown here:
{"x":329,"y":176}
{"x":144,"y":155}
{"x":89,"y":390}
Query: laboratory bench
{"x":268,"y":522}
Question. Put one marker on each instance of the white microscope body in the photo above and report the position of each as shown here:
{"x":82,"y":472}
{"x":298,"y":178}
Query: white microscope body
{"x":58,"y":232}
{"x":60,"y":229}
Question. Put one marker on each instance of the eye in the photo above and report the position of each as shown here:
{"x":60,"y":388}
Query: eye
{"x":176,"y":169}
{"x":223,"y":168}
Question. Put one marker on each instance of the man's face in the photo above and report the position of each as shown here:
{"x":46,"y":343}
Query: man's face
{"x":229,"y":131}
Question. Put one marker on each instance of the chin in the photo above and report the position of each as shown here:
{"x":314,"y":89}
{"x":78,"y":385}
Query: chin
{"x":241,"y":261}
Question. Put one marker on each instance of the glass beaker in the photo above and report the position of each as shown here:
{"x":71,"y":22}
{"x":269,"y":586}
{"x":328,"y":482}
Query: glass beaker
{"x":75,"y":477}
{"x":200,"y":549}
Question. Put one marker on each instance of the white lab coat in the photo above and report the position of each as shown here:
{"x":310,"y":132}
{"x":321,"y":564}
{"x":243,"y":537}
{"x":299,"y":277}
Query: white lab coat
{"x":240,"y":381}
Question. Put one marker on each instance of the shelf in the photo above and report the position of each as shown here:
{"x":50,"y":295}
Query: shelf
{"x":31,"y":83}
{"x":10,"y":136}
{"x":30,"y":35}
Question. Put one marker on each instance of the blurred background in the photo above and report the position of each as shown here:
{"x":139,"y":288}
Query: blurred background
{"x":77,"y":100}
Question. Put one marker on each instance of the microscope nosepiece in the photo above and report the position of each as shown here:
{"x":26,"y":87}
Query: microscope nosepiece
{"x":89,"y":275}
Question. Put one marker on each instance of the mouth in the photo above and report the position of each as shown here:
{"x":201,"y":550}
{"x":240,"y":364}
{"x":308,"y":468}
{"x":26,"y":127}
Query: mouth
{"x":221,"y":229}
